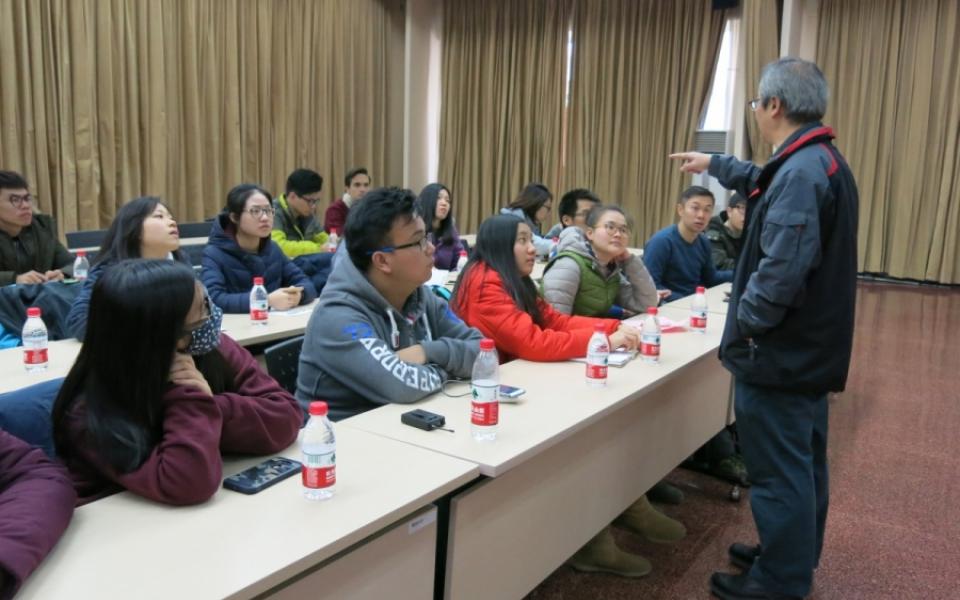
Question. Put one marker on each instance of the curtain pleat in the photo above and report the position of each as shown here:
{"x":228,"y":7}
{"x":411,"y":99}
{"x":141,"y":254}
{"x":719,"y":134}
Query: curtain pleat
{"x":760,"y":46}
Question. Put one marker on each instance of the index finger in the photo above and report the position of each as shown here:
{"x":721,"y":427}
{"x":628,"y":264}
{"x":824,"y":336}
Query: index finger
{"x":679,"y":155}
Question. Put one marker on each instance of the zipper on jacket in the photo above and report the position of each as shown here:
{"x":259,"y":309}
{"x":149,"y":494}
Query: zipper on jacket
{"x":753,"y":349}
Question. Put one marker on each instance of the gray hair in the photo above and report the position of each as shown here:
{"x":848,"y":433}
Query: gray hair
{"x":800,"y":86}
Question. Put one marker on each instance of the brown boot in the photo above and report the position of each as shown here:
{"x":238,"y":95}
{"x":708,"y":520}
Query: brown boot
{"x":601,"y":555}
{"x":642,"y":518}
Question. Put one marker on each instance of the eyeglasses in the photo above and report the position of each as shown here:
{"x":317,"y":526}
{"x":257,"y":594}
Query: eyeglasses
{"x":754,"y":104}
{"x":19,"y":201}
{"x":258,"y":211}
{"x":613,"y":228}
{"x":310,"y":201}
{"x":582,"y":213}
{"x":421,"y":243}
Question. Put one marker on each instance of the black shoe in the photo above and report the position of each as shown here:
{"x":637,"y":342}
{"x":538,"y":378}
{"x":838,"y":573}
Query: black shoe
{"x":665,"y":493}
{"x":740,"y":587}
{"x":743,"y":555}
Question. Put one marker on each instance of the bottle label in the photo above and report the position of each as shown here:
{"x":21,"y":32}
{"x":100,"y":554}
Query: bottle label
{"x":485,"y":406}
{"x":319,"y":470}
{"x":257,"y":314}
{"x":650,"y":345}
{"x":35,"y":356}
{"x":597,"y":371}
{"x":698,"y":319}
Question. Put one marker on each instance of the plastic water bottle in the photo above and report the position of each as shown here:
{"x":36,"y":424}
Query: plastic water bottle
{"x":259,"y":303}
{"x":34,"y":338}
{"x":650,"y":337}
{"x":598,"y":353}
{"x":319,"y":449}
{"x":332,"y":241}
{"x":81,"y":266}
{"x":485,"y":393}
{"x":698,"y":311}
{"x":462,"y":261}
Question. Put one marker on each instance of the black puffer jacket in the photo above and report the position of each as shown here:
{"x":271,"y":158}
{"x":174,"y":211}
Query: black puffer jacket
{"x":790,"y":321}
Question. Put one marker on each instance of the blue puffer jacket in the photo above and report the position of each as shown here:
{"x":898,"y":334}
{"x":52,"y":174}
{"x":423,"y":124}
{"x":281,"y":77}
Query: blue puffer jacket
{"x":228,"y":270}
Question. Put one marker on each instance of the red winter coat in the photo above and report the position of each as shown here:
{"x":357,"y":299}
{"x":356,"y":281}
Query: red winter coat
{"x":185,"y":467}
{"x":485,"y":304}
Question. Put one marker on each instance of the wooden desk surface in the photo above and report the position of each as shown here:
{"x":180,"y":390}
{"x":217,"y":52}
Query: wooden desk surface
{"x":281,"y":325}
{"x":557,"y":404}
{"x":238,"y":546}
{"x":715,"y":300}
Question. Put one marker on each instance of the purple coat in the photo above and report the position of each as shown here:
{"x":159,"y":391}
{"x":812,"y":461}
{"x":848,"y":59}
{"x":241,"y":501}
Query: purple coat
{"x":36,"y":503}
{"x":446,"y":255}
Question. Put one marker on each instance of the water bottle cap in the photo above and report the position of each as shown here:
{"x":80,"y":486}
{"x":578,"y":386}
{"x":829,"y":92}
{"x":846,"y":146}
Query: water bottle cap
{"x":258,"y":281}
{"x":487,"y":344}
{"x":318,"y":408}
{"x":600,"y":328}
{"x":33,"y":311}
{"x":701,"y":289}
{"x":463,"y":253}
{"x":333,"y":231}
{"x":652,"y":310}
{"x":81,"y":252}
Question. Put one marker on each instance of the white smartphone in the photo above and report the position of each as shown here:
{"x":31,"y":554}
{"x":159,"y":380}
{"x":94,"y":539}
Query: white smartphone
{"x":508,"y":392}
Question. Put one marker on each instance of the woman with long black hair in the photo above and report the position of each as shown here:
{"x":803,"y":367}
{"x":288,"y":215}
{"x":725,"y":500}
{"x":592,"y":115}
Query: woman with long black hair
{"x":143,"y":228}
{"x":157,"y":392}
{"x":436,"y":207}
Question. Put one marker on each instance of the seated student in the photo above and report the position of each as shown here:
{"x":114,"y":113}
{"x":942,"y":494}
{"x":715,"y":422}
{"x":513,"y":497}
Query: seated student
{"x":496,"y":295}
{"x":437,"y":204}
{"x":157,"y":392}
{"x":29,"y":249}
{"x":240,"y":249}
{"x":357,"y":182}
{"x":36,"y":503}
{"x":574,"y":206}
{"x":725,"y":232}
{"x":143,"y":228}
{"x":594,"y":274}
{"x":533,"y":206}
{"x":678,"y":257}
{"x":296,"y":229}
{"x":378,"y":335}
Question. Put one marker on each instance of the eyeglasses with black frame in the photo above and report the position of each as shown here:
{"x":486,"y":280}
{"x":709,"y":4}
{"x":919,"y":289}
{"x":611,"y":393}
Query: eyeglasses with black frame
{"x":258,"y":211}
{"x":422,"y":243}
{"x":18,"y":201}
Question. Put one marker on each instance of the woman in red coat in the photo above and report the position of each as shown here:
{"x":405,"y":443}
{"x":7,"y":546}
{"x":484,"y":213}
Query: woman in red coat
{"x":157,"y":392}
{"x":496,"y":295}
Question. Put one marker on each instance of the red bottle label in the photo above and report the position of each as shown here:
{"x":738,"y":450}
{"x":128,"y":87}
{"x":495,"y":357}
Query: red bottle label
{"x":698,"y":322}
{"x":35,"y":357}
{"x":597,"y":371}
{"x":650,"y":349}
{"x":485,"y":413}
{"x":319,"y":477}
{"x":258,"y":315}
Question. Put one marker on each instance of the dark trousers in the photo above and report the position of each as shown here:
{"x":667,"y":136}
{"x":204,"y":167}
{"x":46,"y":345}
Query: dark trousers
{"x":783,"y":438}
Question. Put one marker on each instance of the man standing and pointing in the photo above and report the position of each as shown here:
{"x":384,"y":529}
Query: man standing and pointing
{"x":789,"y":329}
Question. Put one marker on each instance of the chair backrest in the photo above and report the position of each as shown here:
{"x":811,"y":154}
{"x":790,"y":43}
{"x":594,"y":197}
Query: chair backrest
{"x":194,"y":252}
{"x":25,"y":413}
{"x":283,"y":360}
{"x":91,"y":238}
{"x":195,"y":230}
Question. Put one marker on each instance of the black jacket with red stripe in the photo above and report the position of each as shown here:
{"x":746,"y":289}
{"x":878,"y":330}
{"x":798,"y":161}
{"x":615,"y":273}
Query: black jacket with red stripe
{"x":790,"y":320}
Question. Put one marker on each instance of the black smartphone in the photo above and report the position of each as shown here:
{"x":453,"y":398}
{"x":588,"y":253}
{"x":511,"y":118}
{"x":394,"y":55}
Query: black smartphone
{"x":262,"y":476}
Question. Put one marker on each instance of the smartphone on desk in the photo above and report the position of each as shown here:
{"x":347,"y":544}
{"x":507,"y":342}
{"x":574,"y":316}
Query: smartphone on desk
{"x":508,"y":393}
{"x":259,"y":477}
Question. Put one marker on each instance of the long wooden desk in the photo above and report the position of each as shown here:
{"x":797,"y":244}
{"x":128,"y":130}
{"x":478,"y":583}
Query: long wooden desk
{"x":281,"y":325}
{"x":376,"y":538}
{"x":716,"y":300}
{"x":568,"y":458}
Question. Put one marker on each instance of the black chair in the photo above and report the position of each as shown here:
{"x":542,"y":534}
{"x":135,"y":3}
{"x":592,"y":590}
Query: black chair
{"x":283,"y":359}
{"x":195,"y":230}
{"x":194,"y":253}
{"x":91,"y":238}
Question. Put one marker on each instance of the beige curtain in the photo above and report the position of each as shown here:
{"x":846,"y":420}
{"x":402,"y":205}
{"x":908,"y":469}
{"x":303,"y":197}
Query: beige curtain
{"x":895,"y":82}
{"x":760,"y":45}
{"x":641,"y":73}
{"x":502,"y":100}
{"x":105,"y":100}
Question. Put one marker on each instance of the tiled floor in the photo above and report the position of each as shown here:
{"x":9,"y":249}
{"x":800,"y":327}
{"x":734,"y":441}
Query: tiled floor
{"x":894,"y":525}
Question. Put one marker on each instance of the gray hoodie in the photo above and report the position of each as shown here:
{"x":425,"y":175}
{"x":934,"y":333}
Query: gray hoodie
{"x":561,"y":280}
{"x":349,"y":358}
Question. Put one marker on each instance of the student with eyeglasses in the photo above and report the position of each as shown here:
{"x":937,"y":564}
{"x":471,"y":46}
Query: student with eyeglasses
{"x":296,"y":228}
{"x":240,"y":248}
{"x":379,"y":335}
{"x":594,"y":274}
{"x":158,"y":392}
{"x":575,"y":205}
{"x":29,"y":249}
{"x":725,"y":232}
